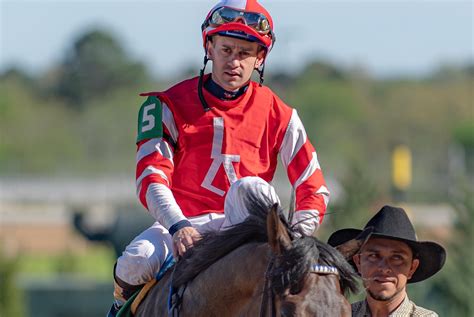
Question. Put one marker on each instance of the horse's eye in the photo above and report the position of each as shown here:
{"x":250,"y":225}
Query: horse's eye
{"x":288,"y":309}
{"x":296,"y":288}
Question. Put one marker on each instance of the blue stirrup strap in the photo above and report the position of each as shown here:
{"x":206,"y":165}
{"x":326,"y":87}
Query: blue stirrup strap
{"x":169,"y":262}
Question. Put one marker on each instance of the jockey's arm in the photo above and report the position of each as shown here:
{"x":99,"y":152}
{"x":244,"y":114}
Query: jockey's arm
{"x":304,"y":172}
{"x":154,"y":167}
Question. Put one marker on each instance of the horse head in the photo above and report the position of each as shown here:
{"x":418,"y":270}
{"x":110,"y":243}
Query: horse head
{"x":305,"y":277}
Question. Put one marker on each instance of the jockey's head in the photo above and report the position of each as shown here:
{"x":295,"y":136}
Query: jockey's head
{"x":245,"y":20}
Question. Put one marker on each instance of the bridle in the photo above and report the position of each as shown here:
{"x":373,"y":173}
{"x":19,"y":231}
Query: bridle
{"x":268,"y":292}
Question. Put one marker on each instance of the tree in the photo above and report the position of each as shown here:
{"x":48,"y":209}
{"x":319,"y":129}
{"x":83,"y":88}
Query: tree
{"x":450,"y":293}
{"x":464,"y":136}
{"x":12,"y":297}
{"x":95,"y":65}
{"x":355,"y":206}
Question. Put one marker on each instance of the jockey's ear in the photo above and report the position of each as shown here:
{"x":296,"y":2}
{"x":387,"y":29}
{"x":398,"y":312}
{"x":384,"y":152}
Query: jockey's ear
{"x":350,"y":248}
{"x":277,"y":232}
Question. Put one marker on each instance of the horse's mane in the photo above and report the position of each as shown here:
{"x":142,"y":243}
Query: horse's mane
{"x":216,"y":244}
{"x":293,"y":264}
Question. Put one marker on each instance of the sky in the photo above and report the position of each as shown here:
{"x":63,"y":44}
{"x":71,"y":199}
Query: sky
{"x":386,"y":37}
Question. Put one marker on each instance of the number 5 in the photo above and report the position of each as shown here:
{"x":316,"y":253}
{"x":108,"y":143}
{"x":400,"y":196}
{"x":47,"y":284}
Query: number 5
{"x":148,"y":118}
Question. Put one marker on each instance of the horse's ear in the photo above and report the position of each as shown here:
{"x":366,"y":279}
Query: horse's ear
{"x":351,"y":247}
{"x":278,"y":236}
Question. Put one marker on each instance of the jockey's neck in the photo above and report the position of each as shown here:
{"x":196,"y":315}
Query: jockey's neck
{"x":221,"y":93}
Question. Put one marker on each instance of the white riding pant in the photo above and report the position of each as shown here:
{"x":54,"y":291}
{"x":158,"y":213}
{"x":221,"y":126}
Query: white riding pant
{"x":143,"y":257}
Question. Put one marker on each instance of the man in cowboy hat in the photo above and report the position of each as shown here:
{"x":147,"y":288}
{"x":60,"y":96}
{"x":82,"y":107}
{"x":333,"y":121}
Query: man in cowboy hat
{"x":391,"y":258}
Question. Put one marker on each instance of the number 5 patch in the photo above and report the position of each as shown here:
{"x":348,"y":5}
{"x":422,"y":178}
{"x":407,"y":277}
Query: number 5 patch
{"x":149,"y":119}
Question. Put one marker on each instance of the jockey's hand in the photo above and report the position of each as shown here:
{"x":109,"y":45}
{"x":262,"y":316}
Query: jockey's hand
{"x":184,"y":239}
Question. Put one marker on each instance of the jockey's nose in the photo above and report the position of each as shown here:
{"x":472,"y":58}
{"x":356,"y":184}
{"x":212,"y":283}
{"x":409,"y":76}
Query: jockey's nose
{"x":234,"y":61}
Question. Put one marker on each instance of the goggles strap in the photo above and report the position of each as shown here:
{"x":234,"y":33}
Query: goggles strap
{"x":204,"y":103}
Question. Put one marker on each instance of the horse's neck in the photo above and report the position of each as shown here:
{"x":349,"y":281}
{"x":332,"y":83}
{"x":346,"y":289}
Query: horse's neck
{"x":230,"y":283}
{"x":228,"y":287}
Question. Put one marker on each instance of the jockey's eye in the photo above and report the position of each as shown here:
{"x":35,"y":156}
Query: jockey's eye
{"x":244,"y":54}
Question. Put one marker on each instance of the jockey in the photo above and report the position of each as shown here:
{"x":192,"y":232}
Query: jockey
{"x":206,"y":143}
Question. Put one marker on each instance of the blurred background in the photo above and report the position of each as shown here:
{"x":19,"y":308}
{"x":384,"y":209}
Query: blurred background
{"x":385,"y":90}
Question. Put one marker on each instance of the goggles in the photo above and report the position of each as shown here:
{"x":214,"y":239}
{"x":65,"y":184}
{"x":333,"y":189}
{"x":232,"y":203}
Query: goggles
{"x":223,"y":15}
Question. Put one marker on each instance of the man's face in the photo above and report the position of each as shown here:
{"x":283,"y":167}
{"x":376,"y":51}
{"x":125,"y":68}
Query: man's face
{"x":233,"y":61}
{"x":385,"y":266}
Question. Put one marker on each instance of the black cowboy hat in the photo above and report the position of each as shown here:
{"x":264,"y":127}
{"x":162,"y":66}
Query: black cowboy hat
{"x":393,"y":223}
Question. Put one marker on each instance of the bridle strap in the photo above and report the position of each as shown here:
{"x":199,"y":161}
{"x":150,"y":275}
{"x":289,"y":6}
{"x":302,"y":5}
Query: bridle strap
{"x":324,"y":269}
{"x":267,"y":292}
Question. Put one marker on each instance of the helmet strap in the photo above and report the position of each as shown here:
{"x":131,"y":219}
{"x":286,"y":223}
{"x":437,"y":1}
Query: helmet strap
{"x":204,"y":103}
{"x":261,"y":71}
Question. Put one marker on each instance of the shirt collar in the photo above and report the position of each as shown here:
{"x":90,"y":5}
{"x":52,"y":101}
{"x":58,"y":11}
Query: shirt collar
{"x":402,"y":310}
{"x":221,"y":93}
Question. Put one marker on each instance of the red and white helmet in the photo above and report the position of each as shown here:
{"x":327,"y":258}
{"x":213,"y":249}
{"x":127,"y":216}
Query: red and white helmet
{"x":245,"y":19}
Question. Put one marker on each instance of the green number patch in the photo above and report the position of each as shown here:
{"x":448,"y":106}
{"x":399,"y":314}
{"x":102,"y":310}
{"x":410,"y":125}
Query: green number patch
{"x":149,"y":119}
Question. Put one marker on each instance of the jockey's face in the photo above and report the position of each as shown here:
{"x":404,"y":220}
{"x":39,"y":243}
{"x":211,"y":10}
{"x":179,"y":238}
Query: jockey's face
{"x":233,"y":61}
{"x":385,"y":266}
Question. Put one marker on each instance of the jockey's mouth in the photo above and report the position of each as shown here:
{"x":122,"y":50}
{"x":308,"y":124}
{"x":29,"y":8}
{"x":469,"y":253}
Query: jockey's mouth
{"x":232,"y":74}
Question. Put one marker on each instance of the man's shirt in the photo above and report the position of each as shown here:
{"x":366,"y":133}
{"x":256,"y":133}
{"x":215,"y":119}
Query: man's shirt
{"x":406,"y":309}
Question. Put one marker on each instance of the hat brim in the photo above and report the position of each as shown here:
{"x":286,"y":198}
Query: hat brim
{"x":431,"y":255}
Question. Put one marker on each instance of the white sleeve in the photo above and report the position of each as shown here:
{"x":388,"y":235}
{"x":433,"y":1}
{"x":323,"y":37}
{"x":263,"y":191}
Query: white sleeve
{"x":162,"y":205}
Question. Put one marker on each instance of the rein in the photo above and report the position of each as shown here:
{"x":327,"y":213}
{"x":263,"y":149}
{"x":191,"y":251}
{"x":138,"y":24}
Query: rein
{"x":268,"y":291}
{"x":175,"y":297}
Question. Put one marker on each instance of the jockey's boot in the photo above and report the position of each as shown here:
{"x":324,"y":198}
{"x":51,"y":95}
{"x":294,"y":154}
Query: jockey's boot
{"x":122,"y":292}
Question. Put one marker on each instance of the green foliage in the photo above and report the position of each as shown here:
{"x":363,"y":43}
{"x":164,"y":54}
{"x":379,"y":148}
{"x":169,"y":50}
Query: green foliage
{"x":41,"y":133}
{"x":453,"y":72}
{"x":354,"y":208}
{"x":332,"y":108}
{"x":457,"y":282}
{"x":97,"y":263}
{"x":96,"y":65}
{"x":36,"y":133}
{"x":464,"y":134}
{"x":449,"y":292}
{"x":11,"y":299}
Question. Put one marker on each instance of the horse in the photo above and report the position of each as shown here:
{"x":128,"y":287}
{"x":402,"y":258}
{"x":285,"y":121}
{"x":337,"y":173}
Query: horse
{"x":260,"y":267}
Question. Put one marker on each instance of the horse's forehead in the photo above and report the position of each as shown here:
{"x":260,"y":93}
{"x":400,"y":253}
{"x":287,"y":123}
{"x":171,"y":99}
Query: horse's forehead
{"x":329,"y":293}
{"x":325,"y":285}
{"x":329,"y":281}
{"x":321,"y":296}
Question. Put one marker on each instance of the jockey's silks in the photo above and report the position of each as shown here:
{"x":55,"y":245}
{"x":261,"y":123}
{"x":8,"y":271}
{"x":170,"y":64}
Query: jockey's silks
{"x":189,"y":167}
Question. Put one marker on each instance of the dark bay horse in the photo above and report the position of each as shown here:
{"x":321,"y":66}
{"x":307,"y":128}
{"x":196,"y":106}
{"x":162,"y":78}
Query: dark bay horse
{"x":257,"y":268}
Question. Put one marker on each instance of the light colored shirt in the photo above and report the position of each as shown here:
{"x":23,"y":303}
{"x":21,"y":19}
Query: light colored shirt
{"x":406,"y":309}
